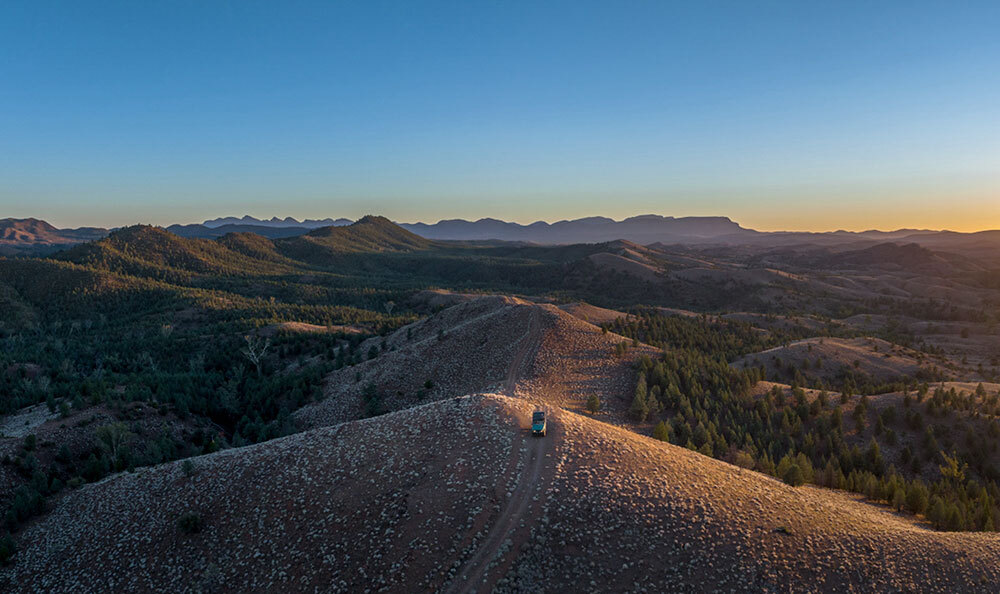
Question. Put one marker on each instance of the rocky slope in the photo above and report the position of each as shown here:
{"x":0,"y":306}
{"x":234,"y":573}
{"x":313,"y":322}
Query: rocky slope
{"x":455,"y":496}
{"x":485,"y":343}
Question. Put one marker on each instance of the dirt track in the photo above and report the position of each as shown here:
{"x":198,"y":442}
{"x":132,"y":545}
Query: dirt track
{"x":500,"y":546}
{"x":481,"y":572}
{"x":529,"y":344}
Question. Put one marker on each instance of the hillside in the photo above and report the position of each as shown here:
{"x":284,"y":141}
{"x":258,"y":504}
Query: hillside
{"x":485,"y":344}
{"x":830,"y":358}
{"x":27,"y":230}
{"x":370,"y":234}
{"x":408,"y":500}
{"x":34,"y":236}
{"x":152,"y":251}
{"x":48,"y":282}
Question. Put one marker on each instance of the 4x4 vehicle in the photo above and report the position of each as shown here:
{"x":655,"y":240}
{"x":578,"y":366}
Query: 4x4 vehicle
{"x":538,"y":425}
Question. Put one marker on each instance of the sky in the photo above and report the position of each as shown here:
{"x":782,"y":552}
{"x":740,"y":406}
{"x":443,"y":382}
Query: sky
{"x":781,"y":115}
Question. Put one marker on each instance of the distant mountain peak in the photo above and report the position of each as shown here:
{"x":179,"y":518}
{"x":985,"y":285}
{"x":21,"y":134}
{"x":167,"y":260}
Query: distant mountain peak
{"x":247,"y":220}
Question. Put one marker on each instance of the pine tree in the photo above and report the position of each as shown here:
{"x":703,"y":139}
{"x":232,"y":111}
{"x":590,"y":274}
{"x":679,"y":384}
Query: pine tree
{"x":898,"y":498}
{"x":661,"y":431}
{"x":916,"y":497}
{"x":640,"y":408}
{"x":794,"y":476}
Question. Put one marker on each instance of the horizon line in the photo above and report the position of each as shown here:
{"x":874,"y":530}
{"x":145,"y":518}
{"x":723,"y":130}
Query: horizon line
{"x":512,"y":222}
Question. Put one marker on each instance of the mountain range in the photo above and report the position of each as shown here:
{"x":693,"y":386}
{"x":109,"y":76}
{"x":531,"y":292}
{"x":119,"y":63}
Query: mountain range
{"x":32,"y":236}
{"x":276,"y":222}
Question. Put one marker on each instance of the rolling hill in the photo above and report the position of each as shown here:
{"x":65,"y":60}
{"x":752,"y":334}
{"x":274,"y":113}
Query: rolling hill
{"x":454,"y":496}
{"x":370,"y":234}
{"x":483,"y":344}
{"x":155,"y":252}
{"x":827,"y":358}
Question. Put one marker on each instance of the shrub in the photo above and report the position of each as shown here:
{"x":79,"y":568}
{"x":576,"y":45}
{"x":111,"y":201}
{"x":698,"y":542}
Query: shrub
{"x":187,"y":467}
{"x":190,"y":523}
{"x":75,"y":482}
{"x":742,"y":459}
{"x":593,"y":404}
{"x":7,"y":549}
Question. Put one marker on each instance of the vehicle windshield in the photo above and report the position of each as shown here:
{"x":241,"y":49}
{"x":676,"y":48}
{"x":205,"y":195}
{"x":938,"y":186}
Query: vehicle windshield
{"x":538,"y":417}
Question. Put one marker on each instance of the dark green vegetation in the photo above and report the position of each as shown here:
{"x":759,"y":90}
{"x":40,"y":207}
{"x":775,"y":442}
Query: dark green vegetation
{"x":945,"y":444}
{"x":726,"y":338}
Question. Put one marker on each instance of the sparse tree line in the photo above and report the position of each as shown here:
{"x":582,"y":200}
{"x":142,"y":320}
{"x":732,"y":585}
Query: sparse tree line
{"x":698,"y":401}
{"x":47,"y":468}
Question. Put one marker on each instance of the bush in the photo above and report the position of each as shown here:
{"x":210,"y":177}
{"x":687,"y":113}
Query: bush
{"x":190,"y":523}
{"x":7,"y":549}
{"x":593,"y":404}
{"x":742,"y":459}
{"x":187,"y":467}
{"x":75,"y":482}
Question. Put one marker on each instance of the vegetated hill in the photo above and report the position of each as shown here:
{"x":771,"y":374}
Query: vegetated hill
{"x":781,"y":322}
{"x":152,"y":251}
{"x":489,"y":343}
{"x":371,"y":234}
{"x":254,"y":246}
{"x":830,"y":358}
{"x":33,"y":236}
{"x":49,"y":282}
{"x":15,"y":312}
{"x":629,"y":258}
{"x":456,"y":496}
{"x":910,"y":257}
{"x":948,"y":410}
{"x":36,"y":439}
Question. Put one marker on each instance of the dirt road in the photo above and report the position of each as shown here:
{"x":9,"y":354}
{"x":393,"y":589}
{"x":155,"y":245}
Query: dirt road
{"x":481,"y":572}
{"x":530,"y":342}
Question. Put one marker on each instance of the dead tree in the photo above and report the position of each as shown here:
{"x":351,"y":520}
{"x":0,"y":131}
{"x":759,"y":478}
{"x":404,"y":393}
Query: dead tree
{"x":255,"y":350}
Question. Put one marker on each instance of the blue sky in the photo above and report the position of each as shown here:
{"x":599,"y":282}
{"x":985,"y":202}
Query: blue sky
{"x":796,"y":115}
